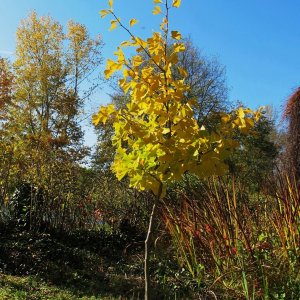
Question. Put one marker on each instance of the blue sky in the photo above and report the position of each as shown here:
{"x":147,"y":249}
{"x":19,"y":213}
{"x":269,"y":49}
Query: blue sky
{"x":257,"y":41}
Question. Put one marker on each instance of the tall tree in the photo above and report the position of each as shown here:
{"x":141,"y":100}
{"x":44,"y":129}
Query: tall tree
{"x":50,"y":71}
{"x":206,"y":78}
{"x":6,"y":143}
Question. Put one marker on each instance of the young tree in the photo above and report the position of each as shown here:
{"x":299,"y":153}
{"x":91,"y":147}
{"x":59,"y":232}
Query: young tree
{"x":157,"y":136}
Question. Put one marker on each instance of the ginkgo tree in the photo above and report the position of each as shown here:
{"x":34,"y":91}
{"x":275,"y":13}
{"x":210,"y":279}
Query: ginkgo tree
{"x":156,"y":135}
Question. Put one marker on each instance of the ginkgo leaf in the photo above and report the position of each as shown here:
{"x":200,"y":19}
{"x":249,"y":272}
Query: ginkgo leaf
{"x":137,"y":60}
{"x":166,"y":130}
{"x":113,"y":24}
{"x":110,"y":3}
{"x":133,"y":22}
{"x":120,"y":54}
{"x":226,"y":118}
{"x":176,"y":3}
{"x":125,"y":44}
{"x":111,"y":67}
{"x":103,"y":13}
{"x":175,"y":35}
{"x":103,"y":114}
{"x":163,"y":24}
{"x":179,"y":48}
{"x":157,"y":10}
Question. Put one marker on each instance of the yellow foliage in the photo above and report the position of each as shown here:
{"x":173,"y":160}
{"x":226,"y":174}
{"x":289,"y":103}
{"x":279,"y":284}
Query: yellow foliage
{"x":157,"y":136}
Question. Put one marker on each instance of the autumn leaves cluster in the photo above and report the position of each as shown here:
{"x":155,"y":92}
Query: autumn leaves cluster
{"x":156,"y":135}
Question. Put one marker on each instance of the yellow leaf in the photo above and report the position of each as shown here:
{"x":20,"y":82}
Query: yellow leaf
{"x":103,"y":114}
{"x":113,"y":24}
{"x":140,"y":42}
{"x":96,"y":119}
{"x":110,"y":3}
{"x":157,"y":1}
{"x":137,"y":60}
{"x":110,"y":108}
{"x":120,"y":54}
{"x":125,"y":44}
{"x":226,"y":118}
{"x":163,"y":24}
{"x":166,"y":130}
{"x":157,"y":10}
{"x":179,"y":48}
{"x":176,"y":3}
{"x":133,"y":22}
{"x":103,"y":13}
{"x":112,"y":67}
{"x":176,"y":35}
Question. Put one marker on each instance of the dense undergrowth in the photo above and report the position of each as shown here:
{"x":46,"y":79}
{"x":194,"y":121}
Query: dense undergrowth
{"x":215,"y":240}
{"x":237,"y":244}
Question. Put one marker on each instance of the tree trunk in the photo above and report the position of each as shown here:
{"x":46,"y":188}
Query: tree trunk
{"x":146,"y":260}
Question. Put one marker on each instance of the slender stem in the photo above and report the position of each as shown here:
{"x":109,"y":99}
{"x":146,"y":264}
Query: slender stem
{"x":146,"y":260}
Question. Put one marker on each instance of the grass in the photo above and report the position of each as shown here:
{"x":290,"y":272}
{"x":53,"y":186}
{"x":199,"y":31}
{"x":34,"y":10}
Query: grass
{"x":33,"y":288}
{"x":30,"y":287}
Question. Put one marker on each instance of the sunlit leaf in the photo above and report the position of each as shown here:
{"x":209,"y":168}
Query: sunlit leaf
{"x":176,"y":3}
{"x":133,"y":22}
{"x":103,"y":13}
{"x":113,"y":24}
{"x":157,"y":10}
{"x":175,"y":35}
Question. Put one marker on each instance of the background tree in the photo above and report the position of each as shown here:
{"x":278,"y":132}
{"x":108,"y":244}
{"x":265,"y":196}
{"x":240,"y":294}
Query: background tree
{"x":6,"y":142}
{"x":254,"y":161}
{"x":207,"y":80}
{"x":292,"y":114}
{"x":50,"y":72}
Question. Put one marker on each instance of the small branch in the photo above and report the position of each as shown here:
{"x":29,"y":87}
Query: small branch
{"x":134,"y":38}
{"x":146,"y":260}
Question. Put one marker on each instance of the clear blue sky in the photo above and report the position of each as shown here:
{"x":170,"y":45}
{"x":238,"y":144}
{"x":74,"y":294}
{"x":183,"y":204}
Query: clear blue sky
{"x":257,"y":41}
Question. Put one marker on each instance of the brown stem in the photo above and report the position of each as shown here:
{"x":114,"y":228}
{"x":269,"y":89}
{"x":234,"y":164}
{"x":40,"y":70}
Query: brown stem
{"x":146,"y":260}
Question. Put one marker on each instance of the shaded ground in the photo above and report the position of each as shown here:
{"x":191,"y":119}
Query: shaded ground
{"x":79,"y":265}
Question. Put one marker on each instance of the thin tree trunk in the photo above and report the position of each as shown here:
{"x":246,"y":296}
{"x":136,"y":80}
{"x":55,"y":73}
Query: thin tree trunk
{"x":146,"y":260}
